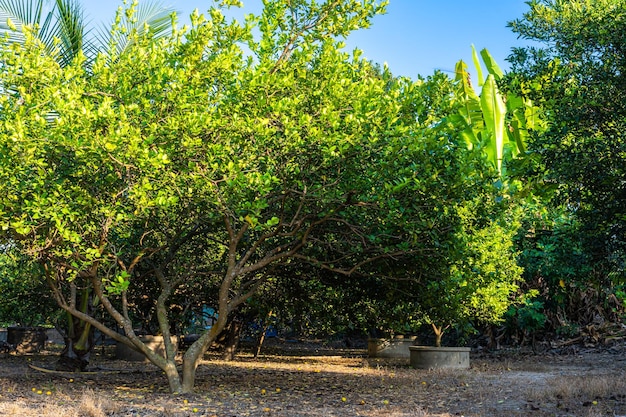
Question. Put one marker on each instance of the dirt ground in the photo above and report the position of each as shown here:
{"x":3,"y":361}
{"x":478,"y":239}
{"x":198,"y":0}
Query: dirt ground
{"x":309,"y":380}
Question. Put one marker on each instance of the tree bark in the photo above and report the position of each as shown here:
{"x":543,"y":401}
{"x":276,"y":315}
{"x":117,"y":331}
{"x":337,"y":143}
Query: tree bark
{"x":78,"y":338}
{"x":192,"y":357}
{"x":173,"y":377}
{"x":438,"y":334}
{"x":231,"y":342}
{"x":266,"y":326}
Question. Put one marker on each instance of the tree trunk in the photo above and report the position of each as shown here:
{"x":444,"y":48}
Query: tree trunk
{"x":438,"y":334}
{"x":259,"y":345}
{"x":173,"y":378}
{"x":266,"y":326}
{"x":79,"y":340}
{"x":231,"y":342}
{"x":192,"y":357}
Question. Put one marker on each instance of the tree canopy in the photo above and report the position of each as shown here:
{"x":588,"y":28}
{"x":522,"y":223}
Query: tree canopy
{"x":578,"y":75}
{"x":574,"y":250}
{"x":576,"y":71}
{"x":205,"y":159}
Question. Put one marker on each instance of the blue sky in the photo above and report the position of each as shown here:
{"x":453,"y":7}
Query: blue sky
{"x":414,"y":37}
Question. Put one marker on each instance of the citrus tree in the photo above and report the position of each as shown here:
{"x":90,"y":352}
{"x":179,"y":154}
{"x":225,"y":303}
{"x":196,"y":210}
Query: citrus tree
{"x":481,"y":277}
{"x":182,"y":149}
{"x":202,"y":160}
{"x":61,"y":27}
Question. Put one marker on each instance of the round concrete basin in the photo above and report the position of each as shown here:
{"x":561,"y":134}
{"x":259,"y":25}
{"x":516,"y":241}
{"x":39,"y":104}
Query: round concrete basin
{"x":430,"y":357}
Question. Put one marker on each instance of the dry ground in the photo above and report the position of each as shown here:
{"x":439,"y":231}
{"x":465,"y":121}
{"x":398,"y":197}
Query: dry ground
{"x":312,"y":381}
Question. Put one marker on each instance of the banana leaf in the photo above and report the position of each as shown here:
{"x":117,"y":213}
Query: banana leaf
{"x":494,"y":114}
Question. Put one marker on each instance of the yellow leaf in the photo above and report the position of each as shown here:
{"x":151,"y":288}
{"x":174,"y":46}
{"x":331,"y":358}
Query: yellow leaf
{"x":251,"y":221}
{"x":11,"y":25}
{"x":110,"y":146}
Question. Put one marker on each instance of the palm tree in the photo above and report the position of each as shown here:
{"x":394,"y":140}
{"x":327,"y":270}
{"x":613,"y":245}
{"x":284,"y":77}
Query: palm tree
{"x":62,"y":27}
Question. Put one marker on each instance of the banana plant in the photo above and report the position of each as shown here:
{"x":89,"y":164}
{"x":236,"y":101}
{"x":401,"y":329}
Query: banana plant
{"x":497,"y":124}
{"x":492,"y":121}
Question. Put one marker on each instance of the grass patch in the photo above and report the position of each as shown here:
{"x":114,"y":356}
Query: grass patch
{"x":583,"y":388}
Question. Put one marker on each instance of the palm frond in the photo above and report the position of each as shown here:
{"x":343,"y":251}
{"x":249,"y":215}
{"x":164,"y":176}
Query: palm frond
{"x":152,"y":15}
{"x":62,"y":30}
{"x":23,"y":12}
{"x":156,"y":16}
{"x":45,"y":27}
{"x":70,"y":29}
{"x":20,"y":13}
{"x":14,"y":36}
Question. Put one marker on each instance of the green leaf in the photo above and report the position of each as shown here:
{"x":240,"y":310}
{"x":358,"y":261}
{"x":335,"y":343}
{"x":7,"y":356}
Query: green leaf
{"x":492,"y":67}
{"x":479,"y":70}
{"x":494,"y":113}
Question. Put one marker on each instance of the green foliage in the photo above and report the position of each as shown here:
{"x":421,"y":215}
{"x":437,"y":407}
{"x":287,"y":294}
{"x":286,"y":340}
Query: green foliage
{"x":578,"y":77}
{"x":179,"y":171}
{"x":497,"y":123}
{"x":573,"y":250}
{"x":555,"y":255}
{"x":318,"y":303}
{"x":483,"y":276}
{"x":181,"y":166}
{"x":24,"y":297}
{"x":559,"y":255}
{"x":528,"y":316}
{"x":620,"y":293}
{"x":479,"y":274}
{"x":568,"y":330}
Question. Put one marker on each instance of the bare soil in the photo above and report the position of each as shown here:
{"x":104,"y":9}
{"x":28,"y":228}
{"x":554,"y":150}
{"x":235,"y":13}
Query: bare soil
{"x":302,"y":380}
